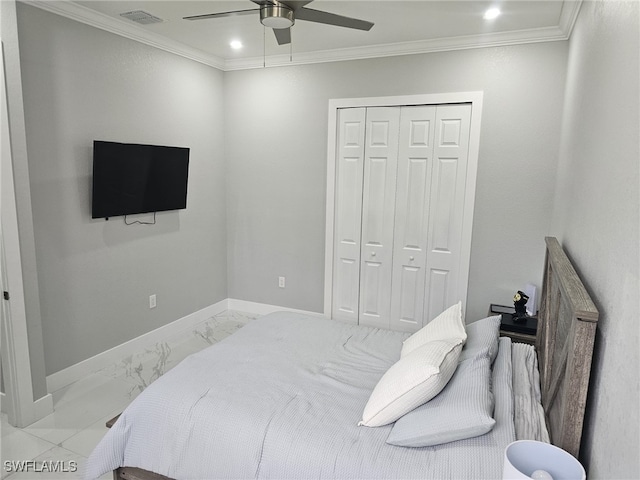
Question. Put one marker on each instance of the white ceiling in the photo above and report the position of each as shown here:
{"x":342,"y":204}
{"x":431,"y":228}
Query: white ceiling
{"x":401,"y":27}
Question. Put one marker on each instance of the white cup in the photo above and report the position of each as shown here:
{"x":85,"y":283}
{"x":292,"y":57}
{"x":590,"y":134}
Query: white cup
{"x":524,"y":457}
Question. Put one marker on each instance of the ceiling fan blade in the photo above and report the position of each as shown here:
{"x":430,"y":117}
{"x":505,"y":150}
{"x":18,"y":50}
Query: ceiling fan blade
{"x":296,"y":4}
{"x":265,"y":2}
{"x":283,"y":35}
{"x":292,"y":4}
{"x":221,"y":14}
{"x":317,"y":16}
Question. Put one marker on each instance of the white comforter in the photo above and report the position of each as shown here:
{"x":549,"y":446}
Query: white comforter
{"x":529,"y":415}
{"x":281,"y":398}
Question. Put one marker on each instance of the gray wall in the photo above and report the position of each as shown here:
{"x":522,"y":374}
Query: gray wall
{"x":276,"y":140}
{"x":95,"y":276}
{"x":596,"y":216}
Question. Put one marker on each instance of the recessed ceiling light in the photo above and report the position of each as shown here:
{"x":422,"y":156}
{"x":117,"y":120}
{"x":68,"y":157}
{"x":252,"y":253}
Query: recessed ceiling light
{"x":491,"y":13}
{"x":236,"y":44}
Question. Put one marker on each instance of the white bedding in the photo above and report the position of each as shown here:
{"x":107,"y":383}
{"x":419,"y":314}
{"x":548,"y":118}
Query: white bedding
{"x":529,"y":415}
{"x":281,"y":398}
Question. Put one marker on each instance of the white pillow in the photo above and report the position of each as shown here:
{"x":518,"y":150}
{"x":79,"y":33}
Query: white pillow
{"x":448,"y":324}
{"x":413,"y":380}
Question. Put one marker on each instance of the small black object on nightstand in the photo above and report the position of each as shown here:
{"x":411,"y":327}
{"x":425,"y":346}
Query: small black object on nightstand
{"x":526,"y":325}
{"x":522,"y":329}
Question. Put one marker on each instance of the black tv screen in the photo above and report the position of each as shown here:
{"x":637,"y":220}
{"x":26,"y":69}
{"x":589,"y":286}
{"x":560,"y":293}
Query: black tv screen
{"x":131,"y":178}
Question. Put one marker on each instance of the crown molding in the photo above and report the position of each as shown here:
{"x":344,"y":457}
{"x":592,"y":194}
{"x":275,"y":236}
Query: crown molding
{"x":569,"y":15}
{"x":519,"y":37}
{"x":77,"y":12}
{"x":85,"y":15}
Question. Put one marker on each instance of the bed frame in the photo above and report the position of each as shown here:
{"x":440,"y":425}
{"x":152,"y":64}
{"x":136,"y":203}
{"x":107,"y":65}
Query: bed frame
{"x":566,"y":330}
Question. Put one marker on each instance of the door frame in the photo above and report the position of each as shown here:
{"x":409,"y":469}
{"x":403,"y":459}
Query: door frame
{"x":16,"y":365}
{"x":18,"y":399}
{"x":474,"y":98}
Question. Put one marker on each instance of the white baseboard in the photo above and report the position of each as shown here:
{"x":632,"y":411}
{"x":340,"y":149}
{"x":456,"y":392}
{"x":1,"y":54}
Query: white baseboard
{"x":43,"y":406}
{"x":38,"y":410}
{"x":263,"y":308}
{"x":71,"y":374}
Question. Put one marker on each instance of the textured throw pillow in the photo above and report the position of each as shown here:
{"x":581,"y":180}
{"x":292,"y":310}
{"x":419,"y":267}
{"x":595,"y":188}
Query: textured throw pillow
{"x":411,"y":381}
{"x":448,"y":324}
{"x":464,"y":409}
{"x":482,"y":336}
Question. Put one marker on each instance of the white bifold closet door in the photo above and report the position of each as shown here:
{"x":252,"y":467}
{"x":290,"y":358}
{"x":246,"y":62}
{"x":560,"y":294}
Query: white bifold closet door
{"x":400,"y":184}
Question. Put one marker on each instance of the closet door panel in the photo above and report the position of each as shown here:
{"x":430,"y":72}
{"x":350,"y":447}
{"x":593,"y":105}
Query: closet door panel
{"x":409,"y":297}
{"x":446,"y":212}
{"x":437,"y":294}
{"x":378,"y":210}
{"x":348,"y":214}
{"x":372,"y":306}
{"x":415,"y":156}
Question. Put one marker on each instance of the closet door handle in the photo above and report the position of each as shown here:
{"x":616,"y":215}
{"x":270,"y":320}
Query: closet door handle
{"x":373,"y":254}
{"x":411,"y":259}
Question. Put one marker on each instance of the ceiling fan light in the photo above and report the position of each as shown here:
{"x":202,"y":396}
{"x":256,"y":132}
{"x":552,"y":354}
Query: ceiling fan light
{"x":276,"y":16}
{"x":491,"y":14}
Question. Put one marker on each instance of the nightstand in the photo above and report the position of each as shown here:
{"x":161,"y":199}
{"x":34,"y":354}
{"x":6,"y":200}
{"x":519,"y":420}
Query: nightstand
{"x":522,"y":332}
{"x":519,"y":337}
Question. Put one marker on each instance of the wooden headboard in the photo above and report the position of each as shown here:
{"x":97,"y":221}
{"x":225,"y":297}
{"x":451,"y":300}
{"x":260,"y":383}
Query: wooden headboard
{"x":566,"y":332}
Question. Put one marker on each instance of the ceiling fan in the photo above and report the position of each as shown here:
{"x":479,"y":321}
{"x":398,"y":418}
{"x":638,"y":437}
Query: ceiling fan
{"x":281,"y":15}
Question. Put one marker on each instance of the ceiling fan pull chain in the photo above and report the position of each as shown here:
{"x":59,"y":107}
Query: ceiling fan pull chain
{"x":264,"y":47}
{"x":291,"y":51}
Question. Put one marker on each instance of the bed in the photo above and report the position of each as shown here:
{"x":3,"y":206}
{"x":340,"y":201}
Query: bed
{"x":284,"y":397}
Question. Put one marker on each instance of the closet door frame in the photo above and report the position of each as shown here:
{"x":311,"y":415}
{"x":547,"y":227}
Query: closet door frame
{"x":473,"y":98}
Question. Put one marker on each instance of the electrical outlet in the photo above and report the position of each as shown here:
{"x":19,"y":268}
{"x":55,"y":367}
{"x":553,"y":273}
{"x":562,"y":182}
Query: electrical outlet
{"x":152,"y":301}
{"x":281,"y":282}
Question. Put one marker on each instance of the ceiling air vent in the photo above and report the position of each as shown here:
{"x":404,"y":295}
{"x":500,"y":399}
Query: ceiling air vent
{"x":142,"y":17}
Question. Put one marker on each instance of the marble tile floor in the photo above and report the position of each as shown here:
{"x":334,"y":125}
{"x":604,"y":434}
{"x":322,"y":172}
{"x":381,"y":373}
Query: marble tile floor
{"x":64,"y":439}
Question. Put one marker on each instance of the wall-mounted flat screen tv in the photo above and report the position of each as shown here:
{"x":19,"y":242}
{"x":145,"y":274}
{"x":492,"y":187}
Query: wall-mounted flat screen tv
{"x":130,"y":178}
